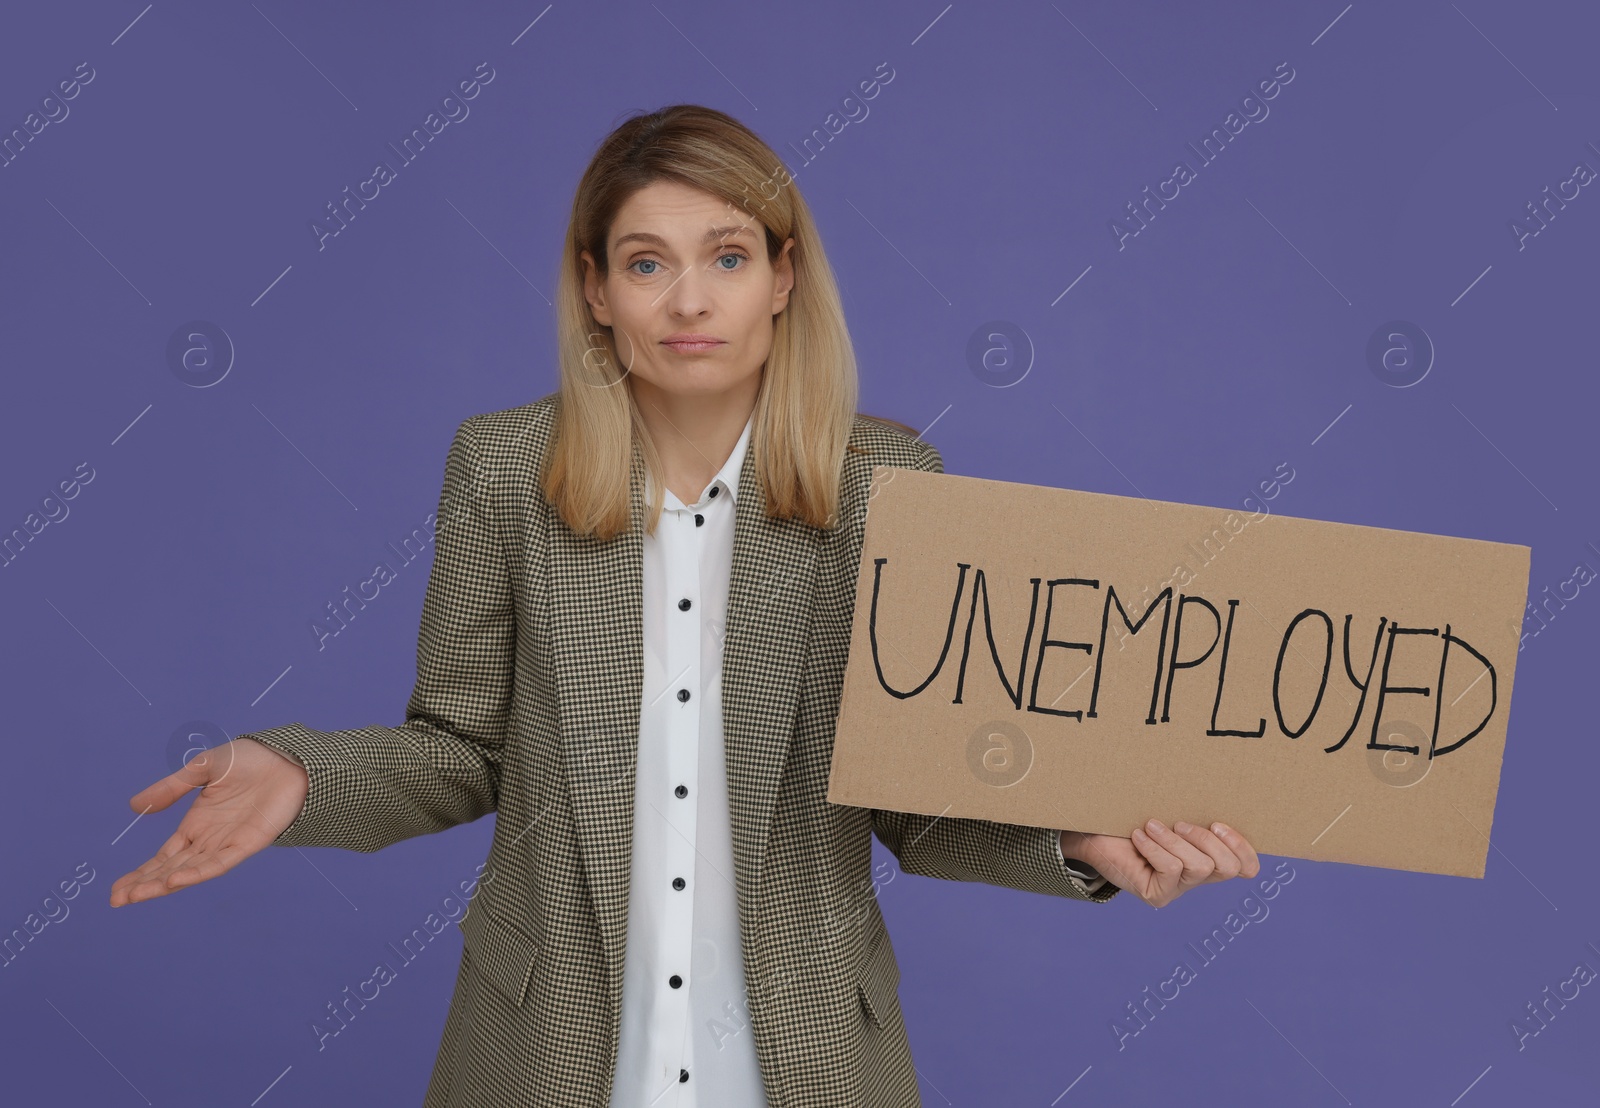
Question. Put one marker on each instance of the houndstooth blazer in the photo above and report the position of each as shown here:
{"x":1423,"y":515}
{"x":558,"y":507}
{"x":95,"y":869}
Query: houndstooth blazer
{"x":526,"y":703}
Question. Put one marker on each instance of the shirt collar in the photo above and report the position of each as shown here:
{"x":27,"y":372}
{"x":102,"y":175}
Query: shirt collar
{"x":728,"y":475}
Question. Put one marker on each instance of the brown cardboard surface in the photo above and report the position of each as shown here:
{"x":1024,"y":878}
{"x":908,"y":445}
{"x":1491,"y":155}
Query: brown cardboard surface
{"x":994,"y":714}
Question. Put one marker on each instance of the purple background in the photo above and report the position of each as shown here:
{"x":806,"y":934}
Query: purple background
{"x":1227,"y":337}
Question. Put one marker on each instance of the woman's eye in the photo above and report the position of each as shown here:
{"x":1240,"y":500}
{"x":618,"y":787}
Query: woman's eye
{"x":735,"y":255}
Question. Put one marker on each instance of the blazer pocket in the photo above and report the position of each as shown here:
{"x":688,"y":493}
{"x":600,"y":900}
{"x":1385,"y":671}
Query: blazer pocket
{"x":501,"y":949}
{"x":878,"y":978}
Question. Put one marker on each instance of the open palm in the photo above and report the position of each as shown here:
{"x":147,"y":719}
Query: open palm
{"x":248,"y":794}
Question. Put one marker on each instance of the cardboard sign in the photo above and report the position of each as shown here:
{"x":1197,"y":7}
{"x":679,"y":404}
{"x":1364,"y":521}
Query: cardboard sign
{"x":1078,"y":660}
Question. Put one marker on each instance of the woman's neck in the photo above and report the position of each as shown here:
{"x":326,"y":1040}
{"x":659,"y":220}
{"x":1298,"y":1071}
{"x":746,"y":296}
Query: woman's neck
{"x":694,"y":435}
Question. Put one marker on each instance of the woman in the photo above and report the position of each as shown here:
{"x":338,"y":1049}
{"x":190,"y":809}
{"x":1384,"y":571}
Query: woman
{"x":633,"y":640}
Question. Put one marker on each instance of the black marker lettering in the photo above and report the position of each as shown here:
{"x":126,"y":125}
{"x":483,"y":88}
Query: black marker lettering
{"x":1177,"y":631}
{"x":1046,"y":642}
{"x":1164,"y":597}
{"x":1327,"y":666}
{"x":1377,"y":641}
{"x":872,"y":628}
{"x":1494,"y":695}
{"x":1384,"y":688}
{"x":1373,"y":684}
{"x":1222,"y":675}
{"x":980,"y":584}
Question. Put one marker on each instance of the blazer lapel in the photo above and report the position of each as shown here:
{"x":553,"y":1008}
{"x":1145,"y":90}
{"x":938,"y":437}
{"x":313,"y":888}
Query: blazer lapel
{"x":597,"y":636}
{"x":771,"y":592}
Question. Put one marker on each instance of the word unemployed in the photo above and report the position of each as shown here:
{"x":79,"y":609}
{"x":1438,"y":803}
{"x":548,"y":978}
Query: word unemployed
{"x":1169,"y":663}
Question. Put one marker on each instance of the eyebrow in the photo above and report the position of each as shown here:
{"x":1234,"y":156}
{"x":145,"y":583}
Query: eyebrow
{"x":715,"y":234}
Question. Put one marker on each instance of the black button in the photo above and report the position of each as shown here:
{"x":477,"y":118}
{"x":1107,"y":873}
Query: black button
{"x":675,"y":981}
{"x":681,"y":791}
{"x":698,"y":520}
{"x":683,"y":1075}
{"x":683,"y":694}
{"x":714,"y":489}
{"x":683,"y":605}
{"x":678,"y":883}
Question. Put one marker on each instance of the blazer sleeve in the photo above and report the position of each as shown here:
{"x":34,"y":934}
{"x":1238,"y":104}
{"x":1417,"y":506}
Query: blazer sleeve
{"x":372,"y":786}
{"x":1006,"y":854}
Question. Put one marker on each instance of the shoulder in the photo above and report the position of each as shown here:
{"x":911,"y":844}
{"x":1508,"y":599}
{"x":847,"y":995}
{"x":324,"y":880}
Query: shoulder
{"x":877,"y":442}
{"x":883,"y":442}
{"x":513,"y":439}
{"x":500,"y":455}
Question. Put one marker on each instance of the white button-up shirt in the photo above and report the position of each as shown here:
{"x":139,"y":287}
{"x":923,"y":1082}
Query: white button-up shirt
{"x":686,"y":1040}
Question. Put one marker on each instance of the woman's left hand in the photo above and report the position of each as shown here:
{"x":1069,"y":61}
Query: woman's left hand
{"x":1159,"y":864}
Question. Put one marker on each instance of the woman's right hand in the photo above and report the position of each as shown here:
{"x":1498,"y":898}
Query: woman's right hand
{"x":248,"y":794}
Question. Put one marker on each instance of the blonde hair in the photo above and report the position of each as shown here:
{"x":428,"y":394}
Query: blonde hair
{"x":805,"y":407}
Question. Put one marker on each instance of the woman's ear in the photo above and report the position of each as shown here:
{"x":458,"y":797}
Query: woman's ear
{"x":594,"y":291}
{"x":783,"y":270}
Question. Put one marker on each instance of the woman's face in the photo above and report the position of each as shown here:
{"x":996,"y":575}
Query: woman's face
{"x":688,"y":266}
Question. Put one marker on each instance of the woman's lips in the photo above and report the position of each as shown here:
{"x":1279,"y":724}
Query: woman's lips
{"x":690,"y":346}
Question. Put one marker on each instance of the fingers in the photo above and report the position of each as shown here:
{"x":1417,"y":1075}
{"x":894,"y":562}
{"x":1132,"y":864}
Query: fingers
{"x":167,"y":873}
{"x":206,"y":767}
{"x":137,"y":885}
{"x":1196,"y":866}
{"x":149,"y":879}
{"x":1186,"y":855}
{"x":1167,"y":865}
{"x":1249,"y":862}
{"x":156,"y":797}
{"x":1224,"y":863}
{"x":204,"y":867}
{"x":1231,"y":854}
{"x":181,"y":861}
